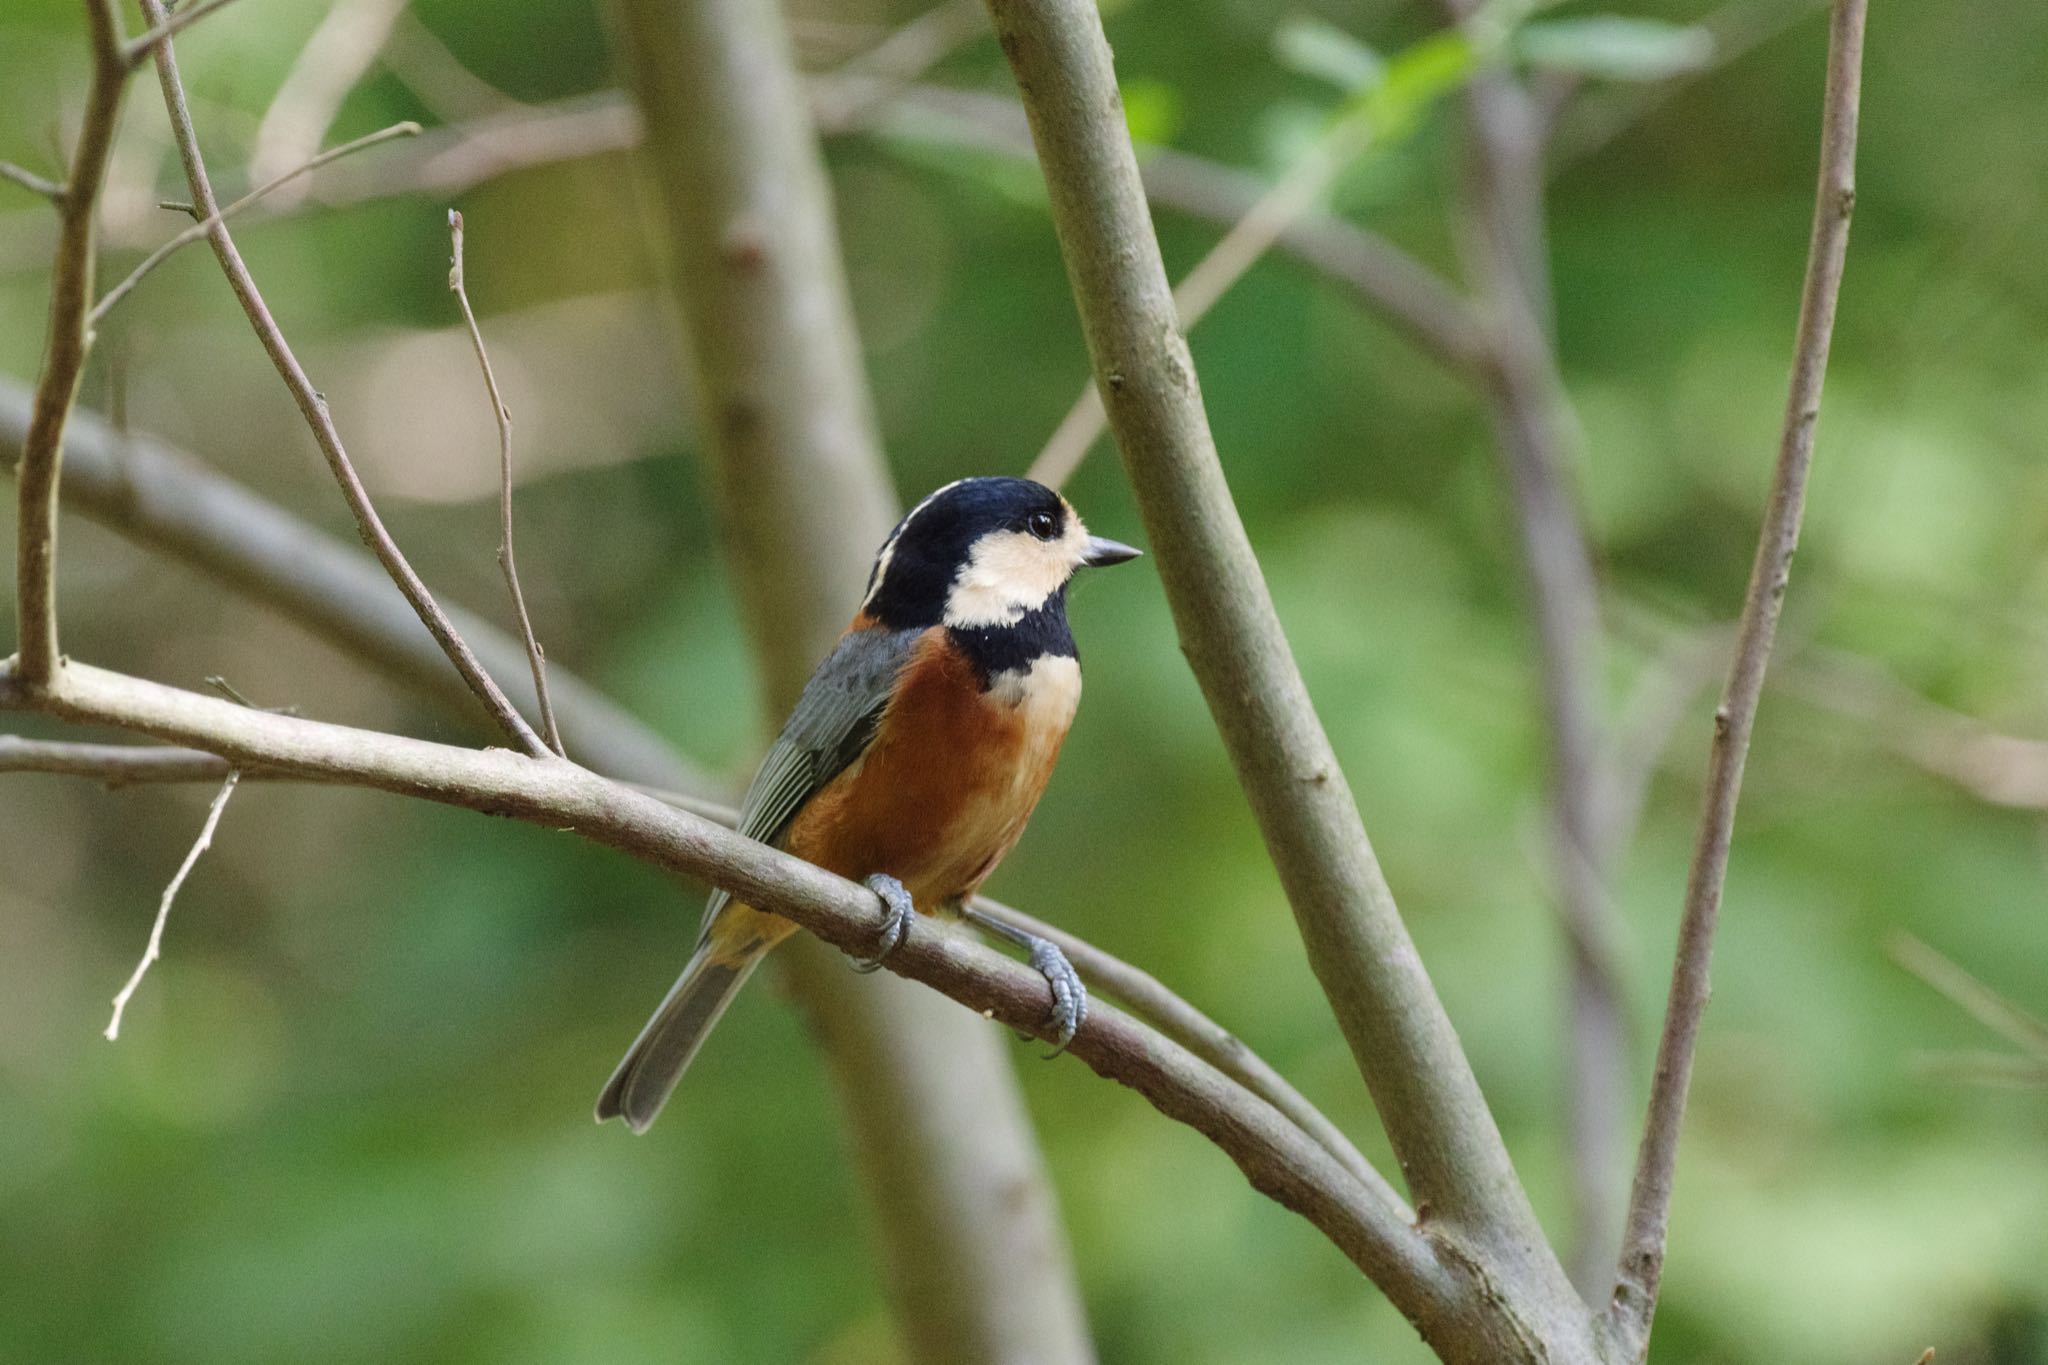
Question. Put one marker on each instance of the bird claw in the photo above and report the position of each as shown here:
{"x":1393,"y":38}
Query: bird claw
{"x":1069,"y":996}
{"x":895,"y":928}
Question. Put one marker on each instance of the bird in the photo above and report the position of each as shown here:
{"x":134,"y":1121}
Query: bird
{"x":915,"y":754}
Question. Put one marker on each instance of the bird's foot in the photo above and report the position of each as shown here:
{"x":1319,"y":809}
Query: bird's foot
{"x":896,"y":927}
{"x":1069,"y":996}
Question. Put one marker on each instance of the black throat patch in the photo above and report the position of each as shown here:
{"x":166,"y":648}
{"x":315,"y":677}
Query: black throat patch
{"x":1039,"y":632}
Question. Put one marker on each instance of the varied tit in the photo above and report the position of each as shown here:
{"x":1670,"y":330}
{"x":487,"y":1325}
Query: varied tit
{"x":915,"y":754}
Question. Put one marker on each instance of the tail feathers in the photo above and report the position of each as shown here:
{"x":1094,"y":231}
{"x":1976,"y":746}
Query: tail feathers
{"x":665,"y":1048}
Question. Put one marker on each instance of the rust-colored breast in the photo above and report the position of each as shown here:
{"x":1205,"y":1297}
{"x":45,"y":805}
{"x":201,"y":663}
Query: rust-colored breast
{"x":952,"y":776}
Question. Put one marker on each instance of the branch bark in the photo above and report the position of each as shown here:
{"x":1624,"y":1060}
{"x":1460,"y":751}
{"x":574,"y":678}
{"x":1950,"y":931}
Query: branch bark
{"x":978,"y":1267}
{"x":1640,"y":1272}
{"x":169,"y":500}
{"x":1457,"y":1167}
{"x":69,"y":341}
{"x":311,"y":403}
{"x":1275,"y":1156}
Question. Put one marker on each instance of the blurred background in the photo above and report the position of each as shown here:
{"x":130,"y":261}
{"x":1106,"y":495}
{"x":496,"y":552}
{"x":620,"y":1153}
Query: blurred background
{"x":348,"y":1118}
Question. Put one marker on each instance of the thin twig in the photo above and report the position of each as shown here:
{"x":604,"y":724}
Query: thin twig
{"x":535,"y":659}
{"x":69,"y":342}
{"x":205,"y":225}
{"x":163,"y":909}
{"x":174,"y":503}
{"x":1274,"y":1154}
{"x":1408,"y":295}
{"x":333,"y":60}
{"x":33,"y":183}
{"x":1642,"y":1258}
{"x":313,"y":406}
{"x":873,"y":77}
{"x":165,"y":24}
{"x":1970,"y":995}
{"x":1242,"y":247}
{"x":117,"y":765}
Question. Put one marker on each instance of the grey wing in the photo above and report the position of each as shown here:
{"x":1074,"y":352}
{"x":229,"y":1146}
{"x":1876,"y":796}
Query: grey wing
{"x":832,"y":725}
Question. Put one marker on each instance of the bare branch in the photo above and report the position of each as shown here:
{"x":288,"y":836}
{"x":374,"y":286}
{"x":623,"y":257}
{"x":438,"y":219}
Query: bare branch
{"x":165,"y":24}
{"x":170,"y":501}
{"x":1151,"y":1000}
{"x":536,"y":661}
{"x":1275,"y":1155}
{"x":1642,"y":1257}
{"x":313,"y":405}
{"x":340,"y":50}
{"x":163,"y":909}
{"x":870,"y":79}
{"x":1972,"y":996}
{"x":205,"y":225}
{"x":1248,"y":240}
{"x":117,"y":765}
{"x":1409,"y":296}
{"x":69,"y":341}
{"x":1402,"y":1041}
{"x":33,"y":183}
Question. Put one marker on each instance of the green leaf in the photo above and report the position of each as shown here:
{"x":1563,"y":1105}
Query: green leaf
{"x":1416,"y":78}
{"x":1613,"y":47}
{"x":1325,"y":52}
{"x":1151,"y":111}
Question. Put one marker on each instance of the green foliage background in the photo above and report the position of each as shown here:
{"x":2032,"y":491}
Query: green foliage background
{"x":348,"y":1119}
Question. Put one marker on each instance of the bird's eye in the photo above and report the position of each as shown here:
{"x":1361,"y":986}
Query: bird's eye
{"x":1042,"y":525}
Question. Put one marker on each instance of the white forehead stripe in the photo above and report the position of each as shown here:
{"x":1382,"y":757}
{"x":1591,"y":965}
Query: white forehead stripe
{"x":1009,"y":573}
{"x":888,"y":551}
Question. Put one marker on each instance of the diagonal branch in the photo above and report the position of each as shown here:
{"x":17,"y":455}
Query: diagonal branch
{"x":535,"y":659}
{"x":1274,"y":1155}
{"x":1404,"y":1045}
{"x":205,"y":225}
{"x":1642,"y":1256}
{"x":1151,"y":1000}
{"x":170,"y":501}
{"x":69,"y":341}
{"x":154,"y":949}
{"x":313,"y":405}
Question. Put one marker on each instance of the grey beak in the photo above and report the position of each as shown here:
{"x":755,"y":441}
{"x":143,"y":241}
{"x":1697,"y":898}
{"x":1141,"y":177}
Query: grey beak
{"x":1103,"y":552}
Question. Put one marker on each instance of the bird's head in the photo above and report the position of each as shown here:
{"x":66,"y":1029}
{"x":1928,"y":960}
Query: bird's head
{"x":982,"y":552}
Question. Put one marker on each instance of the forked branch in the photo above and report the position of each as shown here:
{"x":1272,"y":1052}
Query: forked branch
{"x":1642,"y":1254}
{"x":313,"y":405}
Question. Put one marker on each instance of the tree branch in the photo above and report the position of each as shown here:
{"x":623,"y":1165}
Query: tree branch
{"x":1247,"y":241}
{"x":1151,"y":1000}
{"x":170,"y":501}
{"x":1457,"y":1167}
{"x":69,"y":341}
{"x":341,"y":49}
{"x":205,"y":225}
{"x":536,"y":661}
{"x":154,"y":949}
{"x":164,"y":25}
{"x":312,"y":404}
{"x":1642,"y":1258}
{"x":1275,"y":1156}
